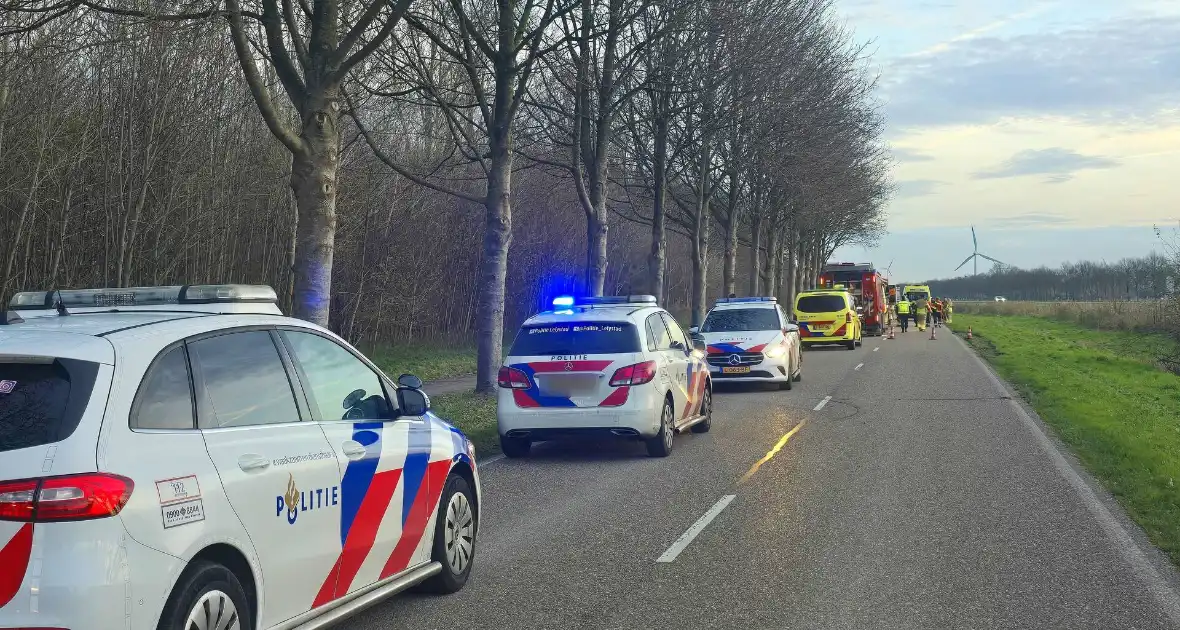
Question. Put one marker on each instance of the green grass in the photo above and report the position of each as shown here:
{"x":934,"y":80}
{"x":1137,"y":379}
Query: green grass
{"x":1107,"y":398}
{"x":475,"y":414}
{"x":426,"y":362}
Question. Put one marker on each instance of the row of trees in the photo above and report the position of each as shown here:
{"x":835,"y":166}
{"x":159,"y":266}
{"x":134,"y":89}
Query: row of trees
{"x":1149,"y":278}
{"x":432,"y":169}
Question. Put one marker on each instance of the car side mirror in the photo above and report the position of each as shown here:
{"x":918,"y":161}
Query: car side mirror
{"x":412,"y":402}
{"x":792,"y":327}
{"x":695,"y":330}
{"x":409,"y":380}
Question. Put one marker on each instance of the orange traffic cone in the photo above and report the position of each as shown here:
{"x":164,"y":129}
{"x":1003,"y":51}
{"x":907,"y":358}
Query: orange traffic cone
{"x":968,"y":332}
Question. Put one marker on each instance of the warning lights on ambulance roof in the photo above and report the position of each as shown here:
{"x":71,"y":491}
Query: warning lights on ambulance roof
{"x":145,"y":296}
{"x":732,"y":300}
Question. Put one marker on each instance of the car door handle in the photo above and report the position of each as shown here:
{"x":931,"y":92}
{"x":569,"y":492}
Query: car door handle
{"x":252,"y":462}
{"x":353,"y":450}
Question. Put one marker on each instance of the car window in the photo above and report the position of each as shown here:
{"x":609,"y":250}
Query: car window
{"x":42,"y":403}
{"x":341,"y":386}
{"x":658,"y":332}
{"x":740,"y":319}
{"x":820,"y":304}
{"x":245,"y":383}
{"x":165,"y":399}
{"x":675,"y":331}
{"x":576,"y":338}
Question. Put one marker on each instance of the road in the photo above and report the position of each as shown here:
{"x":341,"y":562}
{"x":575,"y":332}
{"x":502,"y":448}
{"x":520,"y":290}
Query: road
{"x":918,"y":496}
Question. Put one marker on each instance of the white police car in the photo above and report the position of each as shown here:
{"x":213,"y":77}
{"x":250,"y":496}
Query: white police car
{"x":751,"y":339}
{"x":616,"y":366}
{"x":185,"y":457}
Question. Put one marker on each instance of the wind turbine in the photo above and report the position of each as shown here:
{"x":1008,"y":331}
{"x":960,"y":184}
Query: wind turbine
{"x":975,"y":255}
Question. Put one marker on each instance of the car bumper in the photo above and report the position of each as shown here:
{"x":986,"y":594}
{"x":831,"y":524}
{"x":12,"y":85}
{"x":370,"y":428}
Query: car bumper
{"x":769,"y":371}
{"x":638,"y":417}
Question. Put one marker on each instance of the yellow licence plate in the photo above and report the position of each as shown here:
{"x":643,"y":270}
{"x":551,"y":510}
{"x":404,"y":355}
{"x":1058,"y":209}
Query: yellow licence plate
{"x":741,"y":369}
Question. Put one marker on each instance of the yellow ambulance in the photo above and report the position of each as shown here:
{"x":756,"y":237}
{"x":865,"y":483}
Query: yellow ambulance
{"x":828,"y":316}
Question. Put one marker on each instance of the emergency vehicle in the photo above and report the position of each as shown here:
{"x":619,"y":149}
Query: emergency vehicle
{"x":866,"y":284}
{"x":751,"y":339}
{"x":915,"y":292}
{"x":828,"y":316}
{"x":605,"y":366}
{"x":186,"y":457}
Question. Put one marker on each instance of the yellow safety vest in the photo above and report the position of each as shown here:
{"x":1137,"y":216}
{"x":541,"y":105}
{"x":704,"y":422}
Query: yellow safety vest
{"x":903,"y":308}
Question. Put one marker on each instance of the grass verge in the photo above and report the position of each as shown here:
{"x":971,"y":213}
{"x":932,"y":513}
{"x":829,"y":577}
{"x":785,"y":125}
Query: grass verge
{"x":475,"y":414}
{"x":1108,"y":400}
{"x":426,"y":362}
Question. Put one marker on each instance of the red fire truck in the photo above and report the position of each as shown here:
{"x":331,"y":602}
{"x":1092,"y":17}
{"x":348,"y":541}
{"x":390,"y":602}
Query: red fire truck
{"x":866,"y":284}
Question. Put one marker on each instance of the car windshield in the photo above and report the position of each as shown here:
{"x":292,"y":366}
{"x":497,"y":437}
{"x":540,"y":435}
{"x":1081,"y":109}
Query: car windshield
{"x":576,"y":338}
{"x":42,"y":402}
{"x":917,"y":295}
{"x":740,"y":319}
{"x":820,"y":304}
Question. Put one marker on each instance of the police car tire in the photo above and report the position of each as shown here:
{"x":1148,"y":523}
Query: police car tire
{"x":515,"y":447}
{"x":656,"y":446}
{"x":447,"y":581}
{"x":704,"y":425}
{"x":200,"y":578}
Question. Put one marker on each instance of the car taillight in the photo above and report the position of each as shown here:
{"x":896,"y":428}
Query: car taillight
{"x":636,"y":374}
{"x":65,"y":498}
{"x":512,"y":378}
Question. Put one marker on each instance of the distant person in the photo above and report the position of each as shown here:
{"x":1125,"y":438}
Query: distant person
{"x":921,"y":313}
{"x":903,"y":314}
{"x":950,"y":310}
{"x":936,"y":312}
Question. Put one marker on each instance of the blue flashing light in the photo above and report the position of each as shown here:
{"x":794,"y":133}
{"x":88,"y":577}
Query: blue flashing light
{"x":564,"y":300}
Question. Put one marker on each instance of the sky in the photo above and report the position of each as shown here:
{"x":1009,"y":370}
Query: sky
{"x":1052,"y":126}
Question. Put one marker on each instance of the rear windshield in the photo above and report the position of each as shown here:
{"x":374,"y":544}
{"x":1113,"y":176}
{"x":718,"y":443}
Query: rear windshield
{"x":914,"y":296}
{"x":820,"y":304}
{"x":576,"y":338}
{"x":739,"y":319}
{"x":41,"y":403}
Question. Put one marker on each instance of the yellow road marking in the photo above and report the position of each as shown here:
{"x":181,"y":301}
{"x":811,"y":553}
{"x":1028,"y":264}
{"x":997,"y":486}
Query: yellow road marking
{"x":770,"y":454}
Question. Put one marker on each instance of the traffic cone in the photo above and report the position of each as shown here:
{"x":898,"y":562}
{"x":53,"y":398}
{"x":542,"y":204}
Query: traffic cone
{"x":968,"y":332}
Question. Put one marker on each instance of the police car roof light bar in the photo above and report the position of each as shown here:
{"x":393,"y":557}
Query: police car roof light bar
{"x":615,"y":299}
{"x":734,"y":300}
{"x":145,"y":296}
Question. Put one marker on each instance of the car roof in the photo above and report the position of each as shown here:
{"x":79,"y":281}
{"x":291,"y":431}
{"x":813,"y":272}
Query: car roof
{"x":737,"y":305}
{"x":99,"y":324}
{"x":596,"y":313}
{"x":125,"y":327}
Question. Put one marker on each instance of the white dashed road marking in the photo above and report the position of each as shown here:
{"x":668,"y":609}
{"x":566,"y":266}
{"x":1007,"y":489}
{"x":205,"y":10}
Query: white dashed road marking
{"x":697,"y":527}
{"x":822,"y":403}
{"x":859,"y":366}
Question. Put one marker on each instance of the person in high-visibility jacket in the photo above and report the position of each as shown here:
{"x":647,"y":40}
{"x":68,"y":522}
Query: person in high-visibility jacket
{"x":936,"y":312}
{"x":921,"y":312}
{"x":903,"y":313}
{"x":950,"y":310}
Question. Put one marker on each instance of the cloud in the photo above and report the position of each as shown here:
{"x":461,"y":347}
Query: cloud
{"x":1029,"y":220}
{"x":902,"y":154}
{"x":986,"y":28}
{"x":1058,"y":163}
{"x":1127,"y":68}
{"x":916,"y":188}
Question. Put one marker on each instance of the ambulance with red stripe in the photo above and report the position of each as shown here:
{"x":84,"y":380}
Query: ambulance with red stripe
{"x":608,"y":366}
{"x":186,"y":457}
{"x":751,"y":339}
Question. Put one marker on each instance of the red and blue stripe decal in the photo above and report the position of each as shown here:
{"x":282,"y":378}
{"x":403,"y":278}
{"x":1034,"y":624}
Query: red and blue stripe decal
{"x":731,"y":348}
{"x":14,"y":561}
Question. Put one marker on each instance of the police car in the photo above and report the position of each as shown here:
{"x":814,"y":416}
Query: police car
{"x":751,"y":339}
{"x":185,"y":457}
{"x":609,"y":366}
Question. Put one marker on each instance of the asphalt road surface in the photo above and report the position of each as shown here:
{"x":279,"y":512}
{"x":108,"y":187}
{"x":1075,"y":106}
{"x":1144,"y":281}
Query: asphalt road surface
{"x":920,"y":495}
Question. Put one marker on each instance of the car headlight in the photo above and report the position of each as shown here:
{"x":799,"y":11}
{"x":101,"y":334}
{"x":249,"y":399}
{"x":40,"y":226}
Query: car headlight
{"x":776,"y":351}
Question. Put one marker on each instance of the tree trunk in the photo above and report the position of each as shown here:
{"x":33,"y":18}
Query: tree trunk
{"x":792,"y":262}
{"x":656,"y":261}
{"x":729,"y":268}
{"x":493,"y":273}
{"x":700,"y":241}
{"x":596,"y":233}
{"x":756,"y":249}
{"x":313,"y":180}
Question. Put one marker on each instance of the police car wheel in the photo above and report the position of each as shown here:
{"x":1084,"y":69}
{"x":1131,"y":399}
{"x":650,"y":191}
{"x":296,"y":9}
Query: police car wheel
{"x":660,"y":445}
{"x":515,"y":447}
{"x":207,"y":596}
{"x":707,"y":409}
{"x":454,"y":537}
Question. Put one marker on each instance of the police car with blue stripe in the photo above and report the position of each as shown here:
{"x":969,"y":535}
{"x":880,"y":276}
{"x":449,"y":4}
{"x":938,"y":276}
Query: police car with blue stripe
{"x":186,"y":457}
{"x":751,"y":339}
{"x":607,"y":366}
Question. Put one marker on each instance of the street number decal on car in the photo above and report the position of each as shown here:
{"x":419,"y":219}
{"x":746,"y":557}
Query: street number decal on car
{"x":183,"y":513}
{"x":178,"y":489}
